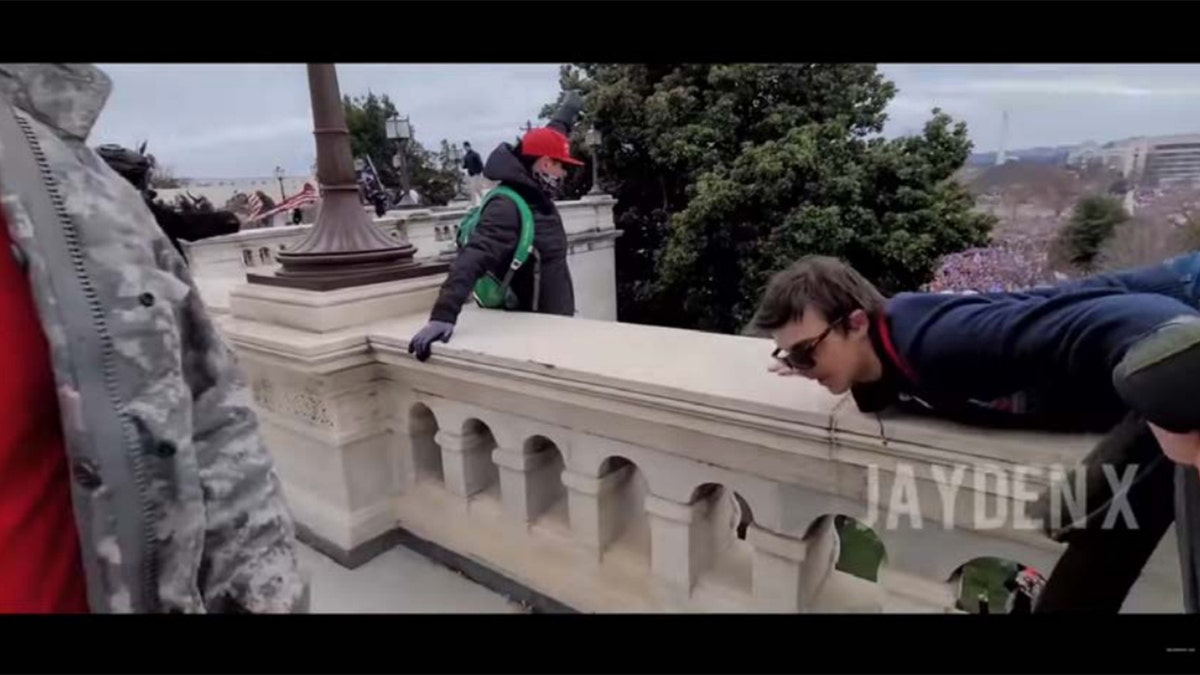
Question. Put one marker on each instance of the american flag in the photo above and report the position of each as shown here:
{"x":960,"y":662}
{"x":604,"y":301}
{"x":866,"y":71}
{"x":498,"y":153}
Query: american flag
{"x":306,"y":196}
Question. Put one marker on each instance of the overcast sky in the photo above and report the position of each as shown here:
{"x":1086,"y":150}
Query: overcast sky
{"x":242,"y":120}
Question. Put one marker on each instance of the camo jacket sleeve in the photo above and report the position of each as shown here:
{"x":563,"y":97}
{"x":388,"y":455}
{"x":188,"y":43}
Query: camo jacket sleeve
{"x":249,"y":562}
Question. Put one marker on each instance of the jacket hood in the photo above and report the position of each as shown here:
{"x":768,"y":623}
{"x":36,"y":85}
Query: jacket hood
{"x":504,"y":166}
{"x":67,"y":97}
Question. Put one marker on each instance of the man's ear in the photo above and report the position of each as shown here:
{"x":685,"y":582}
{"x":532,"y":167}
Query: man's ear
{"x":858,"y":322}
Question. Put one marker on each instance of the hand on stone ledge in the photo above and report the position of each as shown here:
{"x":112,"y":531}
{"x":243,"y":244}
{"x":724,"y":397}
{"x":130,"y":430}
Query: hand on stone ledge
{"x":421,"y":344}
{"x":783,"y":369}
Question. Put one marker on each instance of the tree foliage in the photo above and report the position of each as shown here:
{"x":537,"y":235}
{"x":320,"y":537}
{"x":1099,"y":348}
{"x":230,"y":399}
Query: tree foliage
{"x":1167,"y":224}
{"x":1093,"y":222}
{"x":163,"y":178}
{"x":725,"y":173}
{"x":1016,"y":183}
{"x":366,"y":117}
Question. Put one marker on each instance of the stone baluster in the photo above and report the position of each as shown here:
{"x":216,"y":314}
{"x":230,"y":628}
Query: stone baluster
{"x":467,"y":466}
{"x":794,"y":575}
{"x":680,"y":543}
{"x":528,"y":484}
{"x":825,"y":588}
{"x":778,"y":570}
{"x":593,"y":511}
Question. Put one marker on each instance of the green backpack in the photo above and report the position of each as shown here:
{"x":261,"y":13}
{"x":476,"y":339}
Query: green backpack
{"x":489,"y":291}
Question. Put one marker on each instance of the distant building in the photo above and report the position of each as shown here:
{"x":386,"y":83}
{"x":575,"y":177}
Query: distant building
{"x":1146,"y":160}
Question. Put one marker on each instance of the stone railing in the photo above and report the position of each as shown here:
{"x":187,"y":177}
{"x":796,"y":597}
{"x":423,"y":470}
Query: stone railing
{"x":221,"y":263}
{"x":613,"y":467}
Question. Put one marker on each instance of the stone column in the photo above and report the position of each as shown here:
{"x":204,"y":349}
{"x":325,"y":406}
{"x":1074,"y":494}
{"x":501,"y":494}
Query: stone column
{"x":527,"y":482}
{"x":593,"y":511}
{"x":825,"y":588}
{"x":466,"y":463}
{"x":778,"y":570}
{"x":679,"y":547}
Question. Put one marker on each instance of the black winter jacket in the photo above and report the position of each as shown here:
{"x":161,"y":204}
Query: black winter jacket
{"x":495,"y":242}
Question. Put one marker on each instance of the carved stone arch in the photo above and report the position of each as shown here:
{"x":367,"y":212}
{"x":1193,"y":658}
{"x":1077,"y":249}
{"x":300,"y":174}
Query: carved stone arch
{"x":625,"y":498}
{"x":422,"y":425}
{"x":843,"y":561}
{"x":994,"y":585}
{"x":546,"y":494}
{"x":719,"y":548}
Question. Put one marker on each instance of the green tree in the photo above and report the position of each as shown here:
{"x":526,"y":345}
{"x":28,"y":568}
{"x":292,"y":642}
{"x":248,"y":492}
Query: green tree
{"x":366,"y":117}
{"x":1093,"y":222}
{"x":726,"y":173}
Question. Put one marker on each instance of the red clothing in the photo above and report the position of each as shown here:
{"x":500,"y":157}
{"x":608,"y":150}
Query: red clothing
{"x":41,"y":568}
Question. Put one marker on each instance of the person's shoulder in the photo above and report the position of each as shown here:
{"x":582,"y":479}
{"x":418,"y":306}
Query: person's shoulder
{"x":501,"y":206}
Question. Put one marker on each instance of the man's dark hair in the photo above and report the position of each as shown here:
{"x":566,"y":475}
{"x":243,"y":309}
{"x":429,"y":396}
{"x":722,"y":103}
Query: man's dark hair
{"x":466,"y":144}
{"x":827,"y":284}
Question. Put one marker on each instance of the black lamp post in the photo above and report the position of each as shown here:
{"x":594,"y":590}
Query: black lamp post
{"x":345,"y":248}
{"x":279,"y":173}
{"x":399,"y":130}
{"x":456,"y":158}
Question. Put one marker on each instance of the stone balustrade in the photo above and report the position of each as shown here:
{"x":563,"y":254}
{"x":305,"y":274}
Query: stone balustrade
{"x":615,"y":467}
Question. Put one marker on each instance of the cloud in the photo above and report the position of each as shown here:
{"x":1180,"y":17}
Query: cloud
{"x":220,"y":138}
{"x":241,"y":120}
{"x":1049,"y":104}
{"x":1085,"y":86}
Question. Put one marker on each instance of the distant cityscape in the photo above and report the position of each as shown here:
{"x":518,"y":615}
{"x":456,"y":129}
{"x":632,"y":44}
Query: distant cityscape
{"x":1143,"y":160}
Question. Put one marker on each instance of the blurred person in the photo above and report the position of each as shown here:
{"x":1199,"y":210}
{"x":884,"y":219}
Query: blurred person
{"x":473,"y":163}
{"x":132,"y":474}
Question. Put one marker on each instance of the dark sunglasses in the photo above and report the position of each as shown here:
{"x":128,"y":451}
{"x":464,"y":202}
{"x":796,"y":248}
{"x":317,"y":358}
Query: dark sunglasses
{"x":800,"y":356}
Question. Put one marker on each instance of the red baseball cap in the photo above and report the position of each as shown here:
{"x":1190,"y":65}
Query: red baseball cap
{"x":546,"y":142}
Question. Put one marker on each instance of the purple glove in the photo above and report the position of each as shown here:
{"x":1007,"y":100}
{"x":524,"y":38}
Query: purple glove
{"x":421,"y":343}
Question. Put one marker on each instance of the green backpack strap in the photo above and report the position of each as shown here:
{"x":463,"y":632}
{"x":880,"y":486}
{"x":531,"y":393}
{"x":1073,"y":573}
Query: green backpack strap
{"x":525,"y":240}
{"x":490,"y":292}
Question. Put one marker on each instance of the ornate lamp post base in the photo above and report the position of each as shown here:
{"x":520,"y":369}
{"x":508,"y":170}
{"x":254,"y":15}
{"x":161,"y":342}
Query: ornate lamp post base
{"x":345,"y":248}
{"x":341,"y":277}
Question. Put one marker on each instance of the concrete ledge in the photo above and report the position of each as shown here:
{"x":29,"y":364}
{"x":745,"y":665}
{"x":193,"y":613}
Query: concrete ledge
{"x":335,"y":310}
{"x":477,"y":572}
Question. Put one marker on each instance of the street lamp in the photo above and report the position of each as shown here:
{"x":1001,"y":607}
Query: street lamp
{"x":344,"y":248}
{"x":279,"y":173}
{"x":399,"y":130}
{"x":456,"y":159}
{"x":592,"y":139}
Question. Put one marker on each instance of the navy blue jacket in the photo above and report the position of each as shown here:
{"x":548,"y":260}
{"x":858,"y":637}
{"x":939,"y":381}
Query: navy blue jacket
{"x":1178,"y":277}
{"x":1023,"y":359}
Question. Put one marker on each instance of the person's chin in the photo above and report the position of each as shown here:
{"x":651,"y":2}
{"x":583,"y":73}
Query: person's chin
{"x":1187,"y":457}
{"x":835,"y":388}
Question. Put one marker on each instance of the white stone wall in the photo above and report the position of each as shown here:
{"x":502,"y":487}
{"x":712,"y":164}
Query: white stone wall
{"x":594,"y":274}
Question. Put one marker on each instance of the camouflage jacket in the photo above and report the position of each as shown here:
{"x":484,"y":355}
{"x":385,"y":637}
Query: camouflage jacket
{"x":176,"y":500}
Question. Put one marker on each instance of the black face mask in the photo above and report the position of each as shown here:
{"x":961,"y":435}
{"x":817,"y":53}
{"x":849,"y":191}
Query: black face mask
{"x":550,"y":185}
